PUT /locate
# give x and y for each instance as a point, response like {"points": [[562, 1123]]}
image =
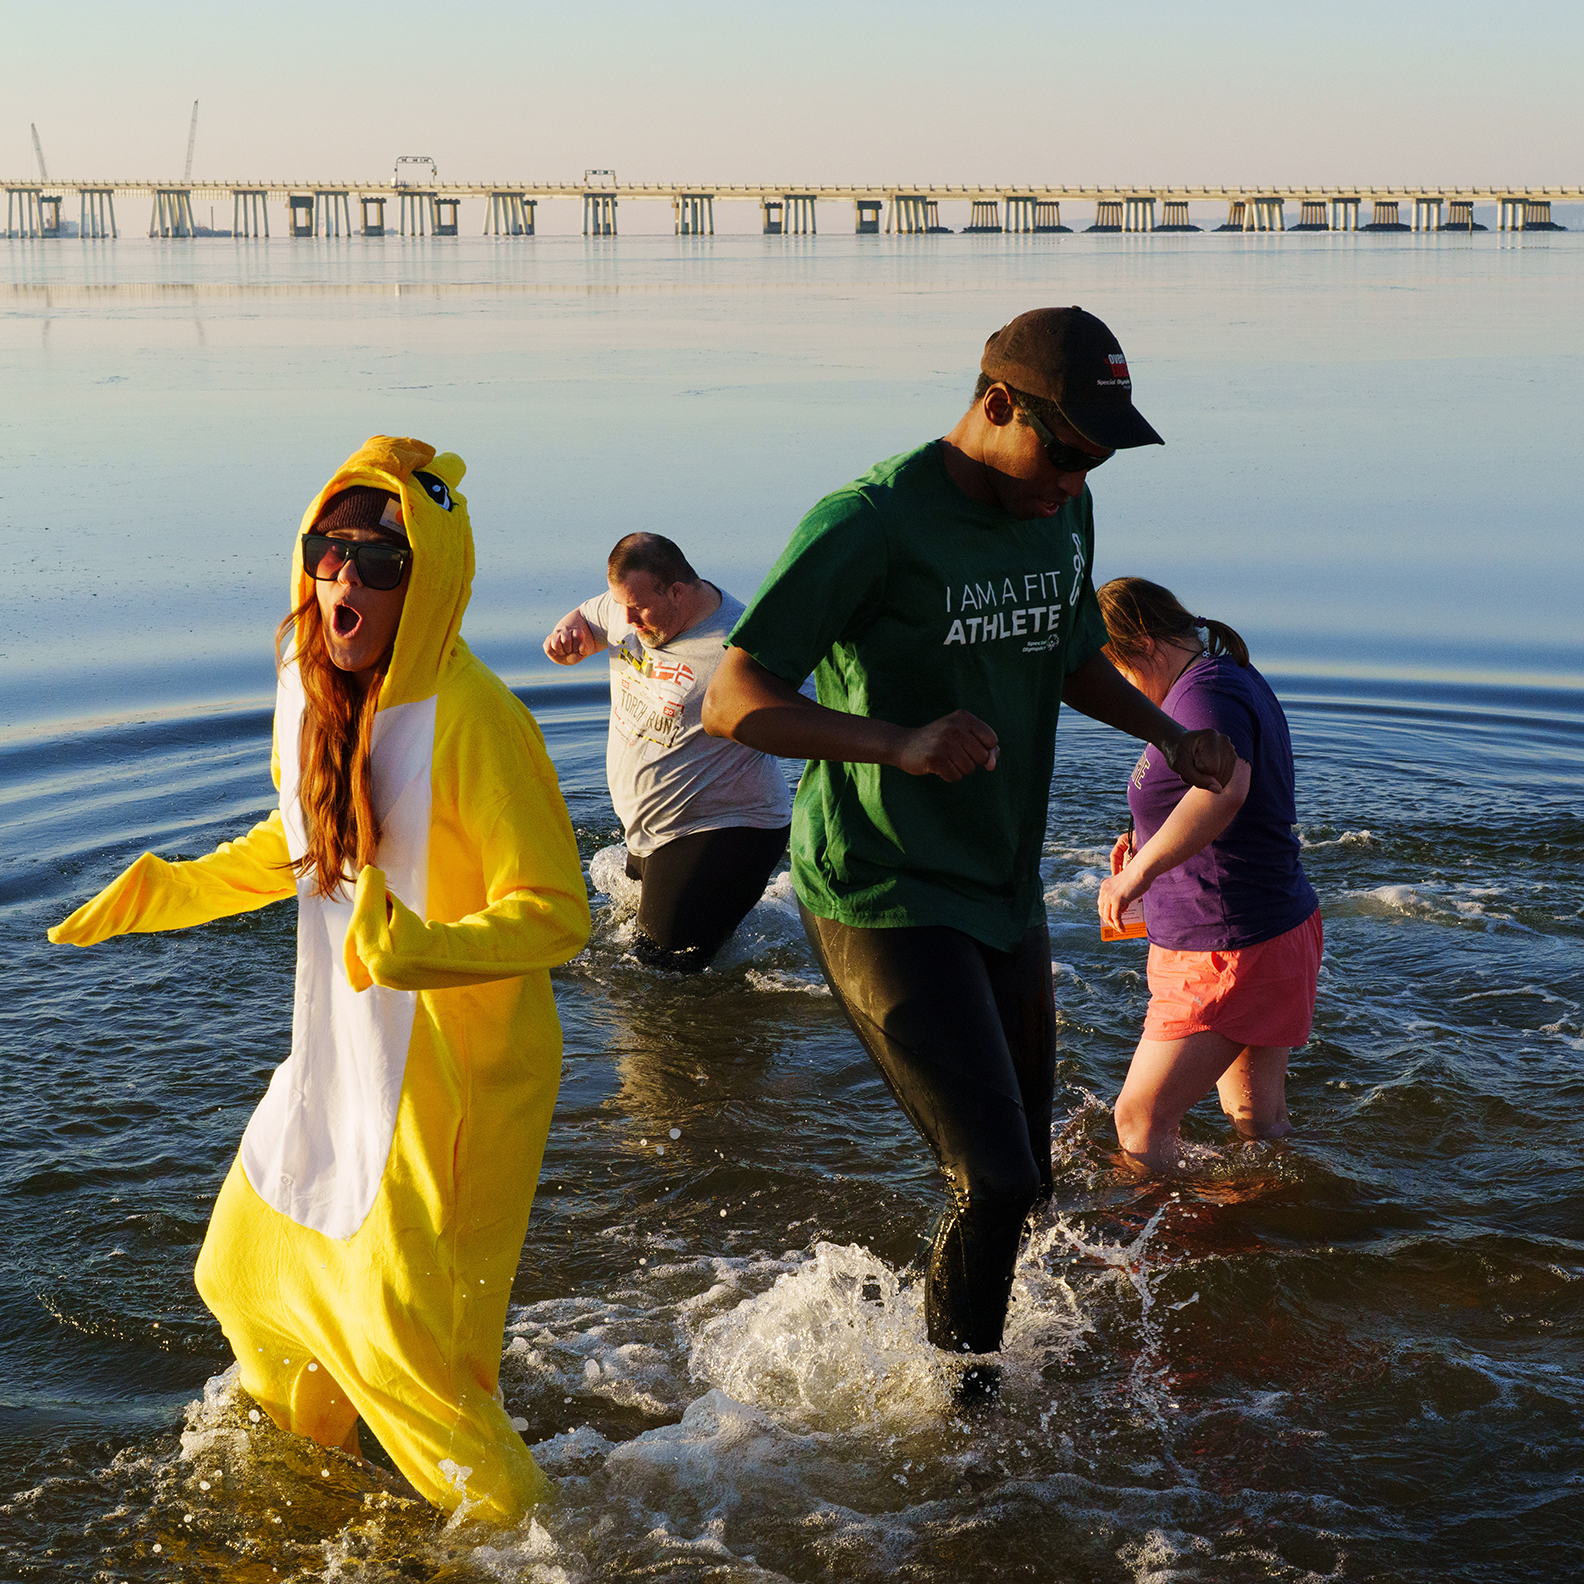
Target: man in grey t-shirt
{"points": [[706, 819]]}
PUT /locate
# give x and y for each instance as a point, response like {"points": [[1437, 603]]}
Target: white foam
{"points": [[795, 1401], [835, 1342], [1488, 906], [720, 1450], [1401, 897], [1347, 838], [1084, 857], [216, 1434], [777, 980], [770, 930], [1079, 892], [1168, 1557], [608, 873]]}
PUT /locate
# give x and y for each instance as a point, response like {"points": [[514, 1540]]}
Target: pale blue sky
{"points": [[715, 92]]}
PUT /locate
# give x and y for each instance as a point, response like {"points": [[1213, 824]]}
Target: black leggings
{"points": [[966, 1038], [697, 890]]}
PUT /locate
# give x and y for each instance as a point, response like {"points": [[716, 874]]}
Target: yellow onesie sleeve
{"points": [[152, 894], [537, 917]]}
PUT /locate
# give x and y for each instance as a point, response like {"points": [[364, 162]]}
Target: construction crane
{"points": [[192, 137], [38, 148]]}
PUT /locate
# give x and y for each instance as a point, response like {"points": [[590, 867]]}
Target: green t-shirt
{"points": [[908, 600]]}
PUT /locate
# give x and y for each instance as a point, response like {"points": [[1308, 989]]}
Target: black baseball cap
{"points": [[1071, 358]]}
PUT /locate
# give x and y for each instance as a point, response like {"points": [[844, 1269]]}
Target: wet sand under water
{"points": [[1356, 1355]]}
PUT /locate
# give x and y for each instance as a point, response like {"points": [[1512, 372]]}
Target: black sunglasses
{"points": [[1064, 458], [379, 565]]}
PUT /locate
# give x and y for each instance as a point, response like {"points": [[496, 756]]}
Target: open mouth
{"points": [[345, 620]]}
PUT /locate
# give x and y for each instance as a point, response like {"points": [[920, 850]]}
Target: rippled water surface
{"points": [[1357, 1355]]}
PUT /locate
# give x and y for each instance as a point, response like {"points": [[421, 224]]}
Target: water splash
{"points": [[1145, 1386], [836, 1342], [767, 951]]}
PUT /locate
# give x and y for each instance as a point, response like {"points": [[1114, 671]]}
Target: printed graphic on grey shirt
{"points": [[668, 777], [647, 693]]}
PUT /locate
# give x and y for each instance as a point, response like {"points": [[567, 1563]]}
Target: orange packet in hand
{"points": [[1132, 915], [1132, 924]]}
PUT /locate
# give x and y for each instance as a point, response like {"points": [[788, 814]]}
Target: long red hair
{"points": [[335, 782]]}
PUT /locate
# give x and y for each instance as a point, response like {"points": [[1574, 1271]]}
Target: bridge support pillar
{"points": [[300, 215], [1427, 214], [249, 215], [22, 211], [509, 214], [1344, 214], [866, 216], [1312, 215], [332, 210], [985, 215], [909, 214], [1385, 216], [1047, 215], [443, 215], [1019, 214], [599, 214], [49, 216], [413, 213], [371, 213], [1174, 215], [1109, 214], [97, 213], [772, 213], [172, 213], [798, 214], [1138, 214], [693, 214], [1263, 213]]}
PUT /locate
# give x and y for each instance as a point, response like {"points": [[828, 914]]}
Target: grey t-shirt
{"points": [[668, 777]]}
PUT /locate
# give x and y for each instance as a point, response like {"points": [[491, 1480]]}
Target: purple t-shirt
{"points": [[1248, 885]]}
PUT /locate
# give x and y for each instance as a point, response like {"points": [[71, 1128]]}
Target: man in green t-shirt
{"points": [[945, 605]]}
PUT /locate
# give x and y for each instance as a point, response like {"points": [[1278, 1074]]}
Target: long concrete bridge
{"points": [[430, 208]]}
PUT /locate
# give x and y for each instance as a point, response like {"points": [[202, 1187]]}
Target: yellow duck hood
{"points": [[440, 578]]}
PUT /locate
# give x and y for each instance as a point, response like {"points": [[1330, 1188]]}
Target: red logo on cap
{"points": [[1119, 372]]}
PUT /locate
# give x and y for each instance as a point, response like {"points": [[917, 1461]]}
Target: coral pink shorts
{"points": [[1261, 995]]}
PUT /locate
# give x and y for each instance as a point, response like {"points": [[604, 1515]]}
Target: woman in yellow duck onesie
{"points": [[361, 1253]]}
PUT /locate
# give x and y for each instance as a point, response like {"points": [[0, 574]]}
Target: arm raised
{"points": [[572, 640]]}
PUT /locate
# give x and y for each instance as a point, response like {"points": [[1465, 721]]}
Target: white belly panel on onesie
{"points": [[316, 1147]]}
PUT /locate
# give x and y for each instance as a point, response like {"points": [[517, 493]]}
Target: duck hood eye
{"points": [[435, 489]]}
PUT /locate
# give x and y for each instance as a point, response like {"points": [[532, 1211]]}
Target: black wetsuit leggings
{"points": [[966, 1038], [697, 890]]}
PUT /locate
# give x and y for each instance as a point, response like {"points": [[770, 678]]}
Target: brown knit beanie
{"points": [[361, 506]]}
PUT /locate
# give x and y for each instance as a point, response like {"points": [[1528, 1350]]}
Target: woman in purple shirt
{"points": [[1233, 923]]}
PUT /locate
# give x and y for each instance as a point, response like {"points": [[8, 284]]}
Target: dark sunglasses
{"points": [[379, 565], [1064, 458]]}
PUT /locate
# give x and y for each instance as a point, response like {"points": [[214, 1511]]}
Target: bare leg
{"points": [[1253, 1092], [1165, 1081]]}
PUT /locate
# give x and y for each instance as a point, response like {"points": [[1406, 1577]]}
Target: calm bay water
{"points": [[1357, 1356]]}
